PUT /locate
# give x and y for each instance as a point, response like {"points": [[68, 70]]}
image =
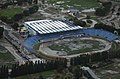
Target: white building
{"points": [[49, 26]]}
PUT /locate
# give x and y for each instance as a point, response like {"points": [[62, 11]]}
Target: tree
{"points": [[77, 72], [89, 21], [88, 17], [80, 23], [29, 1], [3, 18], [41, 77], [100, 12], [5, 5], [26, 12], [1, 31], [17, 17], [33, 9], [104, 10], [15, 26], [43, 1], [35, 1]]}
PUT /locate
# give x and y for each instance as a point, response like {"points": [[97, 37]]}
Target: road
{"points": [[13, 52], [10, 47]]}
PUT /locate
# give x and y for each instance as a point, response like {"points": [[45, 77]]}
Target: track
{"points": [[48, 52]]}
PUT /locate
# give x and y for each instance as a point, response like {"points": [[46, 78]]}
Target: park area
{"points": [[5, 57], [79, 4], [10, 11]]}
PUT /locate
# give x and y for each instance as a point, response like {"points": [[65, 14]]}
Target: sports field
{"points": [[76, 46], [71, 46]]}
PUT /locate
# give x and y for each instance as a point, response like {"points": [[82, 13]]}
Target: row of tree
{"points": [[1, 31], [104, 10], [4, 72], [30, 68], [17, 2], [94, 57], [58, 64]]}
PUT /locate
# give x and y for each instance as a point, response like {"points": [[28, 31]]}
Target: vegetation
{"points": [[104, 10], [32, 76], [30, 67], [10, 12], [36, 47], [11, 16], [5, 56], [1, 31], [66, 46], [78, 3]]}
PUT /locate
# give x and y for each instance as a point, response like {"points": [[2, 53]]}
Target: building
{"points": [[49, 26]]}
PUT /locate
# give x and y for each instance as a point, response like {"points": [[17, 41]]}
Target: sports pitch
{"points": [[72, 46]]}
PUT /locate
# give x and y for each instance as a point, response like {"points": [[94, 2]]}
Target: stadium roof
{"points": [[51, 26]]}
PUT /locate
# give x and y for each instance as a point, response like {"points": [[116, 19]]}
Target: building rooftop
{"points": [[51, 26]]}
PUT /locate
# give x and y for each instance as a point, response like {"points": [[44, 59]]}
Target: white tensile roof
{"points": [[51, 26]]}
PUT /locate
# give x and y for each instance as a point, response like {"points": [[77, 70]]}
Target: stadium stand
{"points": [[29, 42]]}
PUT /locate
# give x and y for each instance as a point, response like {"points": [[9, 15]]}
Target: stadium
{"points": [[62, 39]]}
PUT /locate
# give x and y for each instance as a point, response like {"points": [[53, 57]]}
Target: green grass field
{"points": [[33, 76], [81, 3], [81, 46], [10, 12], [5, 56], [36, 47]]}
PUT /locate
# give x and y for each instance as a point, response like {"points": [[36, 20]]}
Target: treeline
{"points": [[58, 64], [31, 68], [94, 57], [1, 31], [20, 16], [104, 9], [17, 2], [4, 72]]}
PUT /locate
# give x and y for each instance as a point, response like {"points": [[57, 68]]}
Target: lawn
{"points": [[33, 76], [79, 3], [81, 46], [5, 56], [10, 12], [36, 47]]}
